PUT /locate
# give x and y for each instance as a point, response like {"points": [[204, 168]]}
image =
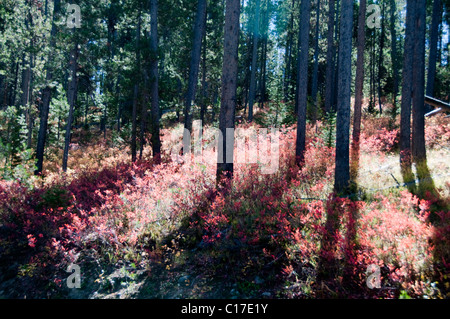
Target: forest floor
{"points": [[166, 231]]}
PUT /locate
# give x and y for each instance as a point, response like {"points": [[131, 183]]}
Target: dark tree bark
{"points": [[252, 90], [154, 82], [26, 77], [330, 57], [28, 91], [418, 133], [229, 85], [359, 86], [136, 91], [144, 113], [30, 105], [381, 59], [316, 65], [248, 62], [372, 95], [112, 20], [199, 27], [405, 113], [434, 35], [203, 94], [394, 58], [13, 95], [337, 57], [302, 81], [342, 173], [46, 94], [72, 94], [263, 59], [119, 104], [288, 53]]}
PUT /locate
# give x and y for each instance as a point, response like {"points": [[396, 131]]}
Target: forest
{"points": [[224, 149]]}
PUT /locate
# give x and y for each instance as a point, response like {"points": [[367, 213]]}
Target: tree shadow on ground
{"points": [[338, 275], [227, 268], [439, 217], [343, 269], [424, 188]]}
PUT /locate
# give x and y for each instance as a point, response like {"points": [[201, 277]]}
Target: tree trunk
{"points": [[229, 85], [248, 62], [252, 90], [12, 97], [136, 90], [342, 173], [380, 60], [144, 114], [337, 57], [199, 27], [72, 94], [302, 85], [316, 65], [359, 86], [372, 100], [418, 132], [119, 104], [263, 73], [394, 59], [154, 82], [203, 106], [46, 94], [30, 105], [434, 35], [405, 113], [25, 98], [29, 88], [288, 54], [330, 57]]}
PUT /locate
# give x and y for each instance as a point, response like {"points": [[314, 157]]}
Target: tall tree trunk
{"points": [[144, 114], [203, 95], [119, 104], [380, 59], [263, 60], [302, 85], [12, 97], [426, 183], [29, 89], [26, 77], [25, 98], [342, 173], [405, 113], [199, 27], [372, 96], [359, 86], [248, 62], [136, 90], [316, 65], [30, 105], [394, 58], [72, 93], [265, 33], [439, 59], [288, 53], [330, 57], [154, 82], [434, 35], [46, 94], [252, 91], [418, 132], [337, 57], [229, 85]]}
